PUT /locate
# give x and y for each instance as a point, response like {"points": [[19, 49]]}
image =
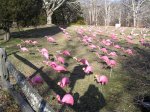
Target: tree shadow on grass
{"points": [[92, 100], [50, 82], [138, 69], [37, 33], [77, 74]]}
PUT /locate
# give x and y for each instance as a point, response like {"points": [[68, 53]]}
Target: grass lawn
{"points": [[129, 81]]}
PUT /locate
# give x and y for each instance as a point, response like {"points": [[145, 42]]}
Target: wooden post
{"points": [[34, 99], [24, 106], [32, 95], [3, 71]]}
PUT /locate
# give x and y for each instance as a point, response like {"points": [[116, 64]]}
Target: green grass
{"points": [[130, 78]]}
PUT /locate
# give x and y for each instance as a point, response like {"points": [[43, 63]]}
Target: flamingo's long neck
{"points": [[58, 98], [98, 55]]}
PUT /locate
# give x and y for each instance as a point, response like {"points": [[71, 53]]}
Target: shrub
{"points": [[80, 21]]}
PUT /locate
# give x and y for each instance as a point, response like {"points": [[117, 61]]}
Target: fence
{"points": [[31, 101]]}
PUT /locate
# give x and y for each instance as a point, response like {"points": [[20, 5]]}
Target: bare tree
{"points": [[136, 7], [116, 12], [92, 11], [107, 16], [50, 6], [108, 12], [67, 13]]}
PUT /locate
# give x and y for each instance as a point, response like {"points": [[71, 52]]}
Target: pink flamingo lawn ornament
{"points": [[113, 36], [36, 80], [111, 63], [66, 53], [50, 64], [105, 58], [27, 41], [34, 42], [64, 82], [50, 39], [112, 54], [144, 43], [130, 37], [67, 35], [142, 40], [44, 52], [60, 59], [104, 50], [83, 61], [57, 68], [46, 55], [87, 69], [85, 42], [80, 31], [109, 41], [117, 46], [89, 40], [23, 49], [92, 46], [67, 99], [106, 42], [102, 79], [128, 51]]}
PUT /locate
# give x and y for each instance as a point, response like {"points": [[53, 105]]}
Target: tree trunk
{"points": [[7, 36], [120, 13], [134, 13], [105, 22], [90, 17], [49, 18], [134, 21]]}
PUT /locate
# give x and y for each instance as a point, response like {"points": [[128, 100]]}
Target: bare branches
{"points": [[127, 12], [50, 6], [136, 8], [59, 3], [53, 4]]}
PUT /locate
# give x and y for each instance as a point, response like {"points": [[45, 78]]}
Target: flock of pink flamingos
{"points": [[86, 40]]}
